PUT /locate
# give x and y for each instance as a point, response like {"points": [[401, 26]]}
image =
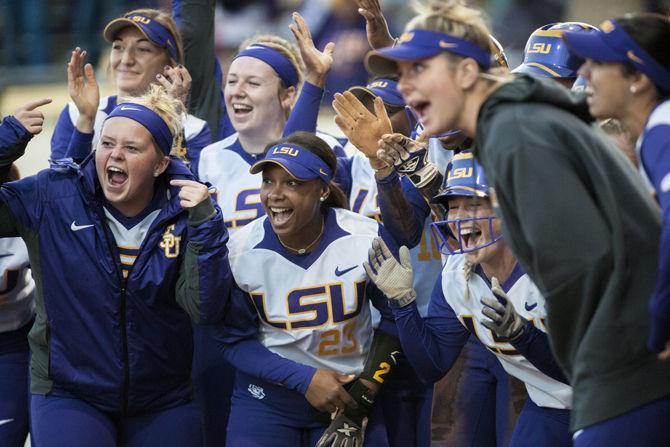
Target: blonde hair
{"points": [[167, 107], [165, 19], [287, 49], [454, 18]]}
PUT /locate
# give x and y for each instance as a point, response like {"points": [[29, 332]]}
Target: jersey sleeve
{"points": [[534, 345], [380, 302], [433, 344], [195, 145], [237, 339], [80, 146], [343, 174], [403, 209], [205, 281], [305, 113], [654, 156], [60, 139]]}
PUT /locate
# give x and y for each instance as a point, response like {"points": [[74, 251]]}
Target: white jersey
{"points": [[312, 309], [193, 126], [225, 165], [17, 303], [660, 116], [426, 258], [528, 302]]}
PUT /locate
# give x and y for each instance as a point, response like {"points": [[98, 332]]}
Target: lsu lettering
{"points": [[170, 243], [286, 150], [538, 47]]}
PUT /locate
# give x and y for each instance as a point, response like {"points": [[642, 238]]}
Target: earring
{"points": [[633, 89], [322, 199]]}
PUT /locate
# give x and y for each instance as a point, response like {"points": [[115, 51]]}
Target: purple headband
{"points": [[614, 44], [297, 161], [279, 63], [156, 126]]}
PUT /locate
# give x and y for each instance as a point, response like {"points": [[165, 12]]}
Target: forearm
{"points": [[80, 146], [206, 280], [305, 113], [251, 357], [398, 214], [13, 141], [534, 345], [430, 359]]}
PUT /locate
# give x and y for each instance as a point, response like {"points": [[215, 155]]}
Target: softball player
{"points": [[628, 74], [17, 303], [469, 299], [300, 329], [559, 185], [146, 49], [111, 364]]}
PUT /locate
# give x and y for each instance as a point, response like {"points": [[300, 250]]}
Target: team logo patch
{"points": [[256, 391], [170, 243]]}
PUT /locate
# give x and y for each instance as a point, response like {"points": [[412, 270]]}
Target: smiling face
{"points": [[253, 100], [127, 163], [429, 88], [608, 88], [292, 205], [135, 61], [477, 232]]}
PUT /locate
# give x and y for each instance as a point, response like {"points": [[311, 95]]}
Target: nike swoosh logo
{"points": [[75, 227], [5, 421], [130, 108], [5, 255], [530, 307], [339, 272], [444, 44]]}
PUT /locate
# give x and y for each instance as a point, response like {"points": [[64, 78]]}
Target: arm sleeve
{"points": [[654, 154], [79, 147], [533, 344], [60, 140], [195, 145], [236, 338], [205, 280], [433, 344], [403, 209], [343, 174], [380, 302], [305, 113], [197, 30]]}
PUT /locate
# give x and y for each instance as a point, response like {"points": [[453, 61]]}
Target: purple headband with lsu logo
{"points": [[279, 63], [152, 30], [614, 44], [297, 161], [418, 44], [151, 121]]}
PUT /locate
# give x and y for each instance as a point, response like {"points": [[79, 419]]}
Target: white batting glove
{"points": [[393, 278], [408, 157], [503, 319]]}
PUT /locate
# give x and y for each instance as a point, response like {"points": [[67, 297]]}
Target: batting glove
{"points": [[393, 278], [503, 319], [410, 158], [348, 428]]}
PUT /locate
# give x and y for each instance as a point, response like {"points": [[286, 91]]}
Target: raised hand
{"points": [[392, 277], [375, 24], [363, 128], [177, 81], [29, 117], [191, 193], [326, 392], [503, 319], [83, 89], [317, 63], [408, 157]]}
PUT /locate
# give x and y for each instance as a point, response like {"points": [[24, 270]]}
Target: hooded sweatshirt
{"points": [[581, 223]]}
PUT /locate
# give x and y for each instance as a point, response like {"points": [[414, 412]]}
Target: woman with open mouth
{"points": [[574, 213], [146, 50], [299, 329], [128, 251], [481, 291]]}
